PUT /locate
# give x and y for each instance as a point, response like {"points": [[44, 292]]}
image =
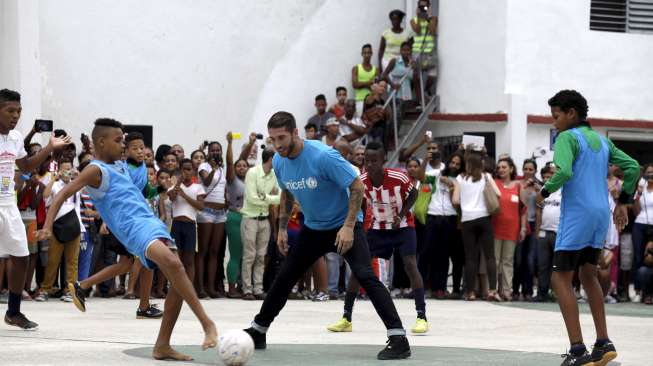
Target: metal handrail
{"points": [[414, 129]]}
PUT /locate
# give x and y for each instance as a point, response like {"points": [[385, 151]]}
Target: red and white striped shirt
{"points": [[387, 200]]}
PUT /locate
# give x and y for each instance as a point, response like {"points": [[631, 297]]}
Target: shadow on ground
{"points": [[362, 355], [620, 309]]}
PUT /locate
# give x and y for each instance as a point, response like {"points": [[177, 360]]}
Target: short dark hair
{"points": [[197, 151], [168, 153], [161, 152], [65, 161], [547, 169], [162, 171], [309, 126], [7, 95], [366, 45], [341, 88], [185, 161], [134, 136], [375, 146], [405, 43], [398, 13], [267, 154], [60, 132], [102, 125], [568, 99], [320, 97], [282, 120], [83, 154]]}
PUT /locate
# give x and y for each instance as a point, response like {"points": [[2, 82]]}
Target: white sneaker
{"points": [[637, 298], [67, 298], [395, 293], [610, 300]]}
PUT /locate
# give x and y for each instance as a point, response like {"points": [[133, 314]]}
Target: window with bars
{"points": [[631, 16]]}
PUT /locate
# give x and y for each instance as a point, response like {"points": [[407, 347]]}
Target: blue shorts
{"points": [[212, 216], [382, 243], [184, 234]]}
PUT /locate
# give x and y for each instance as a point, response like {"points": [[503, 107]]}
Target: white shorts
{"points": [[13, 239]]}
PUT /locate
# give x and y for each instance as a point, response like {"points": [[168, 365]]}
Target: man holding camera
{"points": [[424, 25]]}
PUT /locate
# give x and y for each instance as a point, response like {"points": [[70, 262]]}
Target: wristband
{"points": [[625, 198], [544, 192]]}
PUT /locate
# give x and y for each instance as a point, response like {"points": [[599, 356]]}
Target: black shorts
{"points": [[383, 242], [111, 243], [570, 260], [184, 233]]}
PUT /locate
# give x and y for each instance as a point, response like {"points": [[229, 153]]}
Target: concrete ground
{"points": [[109, 334]]}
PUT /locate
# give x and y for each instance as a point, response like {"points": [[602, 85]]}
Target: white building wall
{"points": [[195, 70], [471, 48]]}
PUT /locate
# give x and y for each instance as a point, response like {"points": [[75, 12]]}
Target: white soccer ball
{"points": [[235, 348]]}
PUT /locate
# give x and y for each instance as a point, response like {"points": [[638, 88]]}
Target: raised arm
{"points": [[27, 164], [248, 148], [381, 52], [230, 159]]}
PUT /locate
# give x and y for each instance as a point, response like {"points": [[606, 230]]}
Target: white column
{"points": [[29, 64], [520, 149]]}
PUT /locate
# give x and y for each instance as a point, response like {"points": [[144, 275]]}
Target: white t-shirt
{"points": [[440, 204], [181, 207], [551, 212], [216, 190], [429, 170], [346, 130], [646, 203], [72, 203], [11, 149], [472, 201]]}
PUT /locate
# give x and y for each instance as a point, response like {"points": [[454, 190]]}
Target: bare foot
{"points": [[210, 337], [167, 353]]}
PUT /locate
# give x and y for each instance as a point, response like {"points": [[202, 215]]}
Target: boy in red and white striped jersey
{"points": [[390, 194]]}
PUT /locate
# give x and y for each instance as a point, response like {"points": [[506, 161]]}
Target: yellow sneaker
{"points": [[342, 325], [421, 326]]}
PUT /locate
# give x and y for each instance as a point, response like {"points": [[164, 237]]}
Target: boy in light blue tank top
{"points": [[582, 157], [126, 213]]}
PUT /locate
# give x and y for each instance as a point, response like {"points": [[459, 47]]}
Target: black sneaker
{"points": [[152, 312], [603, 354], [19, 320], [257, 337], [397, 348], [573, 360], [79, 296]]}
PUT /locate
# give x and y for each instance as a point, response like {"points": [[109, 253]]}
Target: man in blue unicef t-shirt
{"points": [[330, 195]]}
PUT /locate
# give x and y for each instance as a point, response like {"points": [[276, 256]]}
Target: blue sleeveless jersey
{"points": [[124, 210], [584, 211]]}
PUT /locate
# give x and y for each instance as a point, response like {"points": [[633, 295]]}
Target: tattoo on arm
{"points": [[286, 202], [355, 201]]}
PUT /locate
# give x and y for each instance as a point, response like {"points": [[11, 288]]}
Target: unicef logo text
{"points": [[304, 183]]}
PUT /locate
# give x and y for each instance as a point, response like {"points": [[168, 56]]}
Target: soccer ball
{"points": [[235, 348]]}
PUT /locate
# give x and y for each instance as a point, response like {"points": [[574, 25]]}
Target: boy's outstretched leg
{"points": [[171, 266], [603, 350], [76, 289], [162, 349]]}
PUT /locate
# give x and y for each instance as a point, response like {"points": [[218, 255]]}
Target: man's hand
{"points": [[522, 234], [104, 230], [282, 242], [230, 137], [43, 234], [275, 191], [252, 138], [620, 217], [58, 142], [344, 239]]}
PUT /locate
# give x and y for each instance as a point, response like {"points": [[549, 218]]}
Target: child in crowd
{"points": [[187, 200]]}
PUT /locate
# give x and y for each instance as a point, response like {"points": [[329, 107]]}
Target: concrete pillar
{"points": [[517, 129]]}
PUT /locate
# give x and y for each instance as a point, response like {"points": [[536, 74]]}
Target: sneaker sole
{"points": [[148, 317], [400, 356], [347, 330], [27, 330], [78, 304], [606, 358]]}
